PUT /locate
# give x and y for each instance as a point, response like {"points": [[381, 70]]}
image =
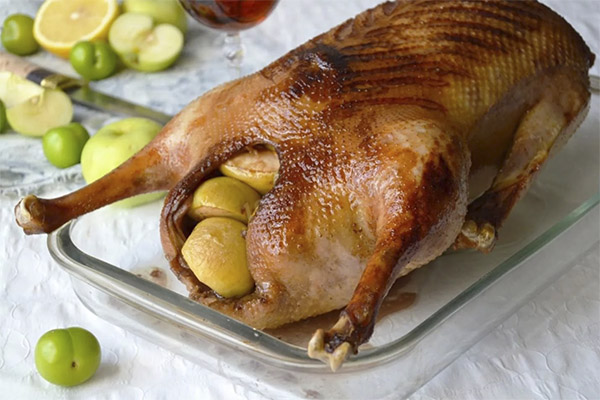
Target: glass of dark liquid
{"points": [[231, 17]]}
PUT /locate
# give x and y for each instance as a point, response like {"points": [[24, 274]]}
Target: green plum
{"points": [[67, 357], [63, 145], [93, 60], [3, 122], [17, 35]]}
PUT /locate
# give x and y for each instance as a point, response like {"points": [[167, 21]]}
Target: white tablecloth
{"points": [[548, 349]]}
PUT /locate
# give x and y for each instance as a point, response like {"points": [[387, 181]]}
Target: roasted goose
{"points": [[409, 129]]}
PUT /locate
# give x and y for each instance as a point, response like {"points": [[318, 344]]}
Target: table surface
{"points": [[549, 349]]}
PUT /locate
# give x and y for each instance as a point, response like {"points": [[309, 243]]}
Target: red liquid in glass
{"points": [[229, 15]]}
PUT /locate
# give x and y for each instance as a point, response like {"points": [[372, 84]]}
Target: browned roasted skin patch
{"points": [[386, 126]]}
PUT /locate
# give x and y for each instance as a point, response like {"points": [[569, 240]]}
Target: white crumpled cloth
{"points": [[550, 349]]}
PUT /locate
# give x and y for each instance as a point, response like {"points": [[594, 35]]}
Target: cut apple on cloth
{"points": [[142, 45], [31, 109], [163, 11]]}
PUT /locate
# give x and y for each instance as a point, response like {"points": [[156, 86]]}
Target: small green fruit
{"points": [[93, 60], [17, 35], [3, 121], [67, 357], [63, 145]]}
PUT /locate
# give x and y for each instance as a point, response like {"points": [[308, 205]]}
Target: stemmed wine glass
{"points": [[230, 16]]}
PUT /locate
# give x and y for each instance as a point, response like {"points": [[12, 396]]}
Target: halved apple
{"points": [[143, 46], [224, 197], [216, 253], [258, 167], [15, 90], [163, 11], [30, 109]]}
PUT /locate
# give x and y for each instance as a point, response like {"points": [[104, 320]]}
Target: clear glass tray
{"points": [[432, 317]]}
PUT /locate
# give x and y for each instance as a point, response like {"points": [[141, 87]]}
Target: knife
{"points": [[77, 89]]}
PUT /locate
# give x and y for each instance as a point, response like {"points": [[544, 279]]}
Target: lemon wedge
{"points": [[59, 24]]}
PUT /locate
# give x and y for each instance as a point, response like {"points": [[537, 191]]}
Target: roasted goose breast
{"points": [[409, 129]]}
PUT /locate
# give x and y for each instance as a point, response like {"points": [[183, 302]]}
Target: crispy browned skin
{"points": [[386, 126]]}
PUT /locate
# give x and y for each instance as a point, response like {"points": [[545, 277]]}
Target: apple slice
{"points": [[30, 109], [41, 113], [15, 90], [143, 46]]}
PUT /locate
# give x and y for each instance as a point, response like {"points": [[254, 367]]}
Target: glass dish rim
{"points": [[167, 304]]}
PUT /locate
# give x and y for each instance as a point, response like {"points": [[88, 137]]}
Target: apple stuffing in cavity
{"points": [[142, 45], [215, 250], [258, 168], [224, 197]]}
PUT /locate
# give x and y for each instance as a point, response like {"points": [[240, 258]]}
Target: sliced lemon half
{"points": [[59, 24]]}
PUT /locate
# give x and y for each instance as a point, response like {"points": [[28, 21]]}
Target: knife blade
{"points": [[92, 99], [77, 89]]}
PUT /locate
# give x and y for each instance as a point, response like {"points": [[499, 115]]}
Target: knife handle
{"points": [[46, 78]]}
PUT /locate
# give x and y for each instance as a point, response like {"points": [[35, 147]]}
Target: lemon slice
{"points": [[59, 24]]}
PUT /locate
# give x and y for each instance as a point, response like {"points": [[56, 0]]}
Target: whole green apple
{"points": [[163, 11], [67, 357], [114, 144]]}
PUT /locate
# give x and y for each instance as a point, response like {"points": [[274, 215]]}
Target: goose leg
{"points": [[541, 132], [356, 322], [421, 217], [190, 136], [143, 173]]}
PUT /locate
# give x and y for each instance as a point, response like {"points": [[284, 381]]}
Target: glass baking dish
{"points": [[428, 320]]}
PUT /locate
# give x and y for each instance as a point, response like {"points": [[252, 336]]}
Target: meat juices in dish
{"points": [[409, 129]]}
